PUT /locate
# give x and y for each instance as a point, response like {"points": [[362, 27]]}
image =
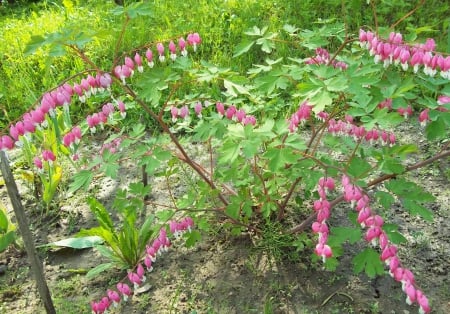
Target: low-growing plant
{"points": [[283, 143], [7, 229]]}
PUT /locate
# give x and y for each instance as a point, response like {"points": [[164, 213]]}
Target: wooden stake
{"points": [[36, 265]]}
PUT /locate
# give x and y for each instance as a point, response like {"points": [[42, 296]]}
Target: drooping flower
{"points": [[198, 109], [149, 56], [138, 60], [173, 50], [124, 289], [160, 48]]}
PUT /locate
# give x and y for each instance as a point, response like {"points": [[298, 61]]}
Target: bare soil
{"points": [[228, 274]]}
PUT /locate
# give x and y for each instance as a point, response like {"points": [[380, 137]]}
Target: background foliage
{"points": [[223, 23]]}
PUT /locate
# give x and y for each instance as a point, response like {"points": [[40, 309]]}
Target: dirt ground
{"points": [[225, 274]]}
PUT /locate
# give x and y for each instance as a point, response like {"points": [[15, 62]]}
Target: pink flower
{"points": [[249, 120], [443, 99], [149, 56], [182, 45], [198, 109], [405, 112], [173, 50], [220, 109], [138, 60], [174, 113], [47, 155], [194, 40], [324, 251], [122, 108], [184, 112], [230, 112], [6, 142], [105, 80], [410, 291], [424, 117], [148, 263], [124, 289], [113, 296], [160, 48], [240, 115], [140, 272], [129, 63], [423, 302], [38, 162]]}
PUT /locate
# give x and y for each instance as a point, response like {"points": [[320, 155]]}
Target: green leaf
{"points": [[229, 152], [6, 239], [415, 208], [3, 221], [386, 199], [336, 84], [82, 179], [369, 261], [164, 215], [146, 232], [243, 47], [392, 166], [101, 214], [339, 235], [233, 208], [321, 100], [393, 234], [436, 130], [99, 269], [256, 31], [279, 157], [34, 44], [235, 89], [77, 243], [359, 167], [408, 190], [192, 238]]}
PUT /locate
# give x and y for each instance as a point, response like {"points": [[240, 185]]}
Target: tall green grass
{"points": [[221, 24]]}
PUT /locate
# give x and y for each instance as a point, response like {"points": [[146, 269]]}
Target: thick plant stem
{"points": [[307, 222], [36, 265]]}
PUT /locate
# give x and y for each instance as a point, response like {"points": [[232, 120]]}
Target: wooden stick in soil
{"points": [[36, 265]]}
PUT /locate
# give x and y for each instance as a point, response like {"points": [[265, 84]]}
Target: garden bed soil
{"points": [[230, 274]]}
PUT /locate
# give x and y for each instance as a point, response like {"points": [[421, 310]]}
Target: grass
{"points": [[221, 24]]}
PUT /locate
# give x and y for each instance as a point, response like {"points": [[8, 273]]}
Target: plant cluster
{"points": [[274, 139]]}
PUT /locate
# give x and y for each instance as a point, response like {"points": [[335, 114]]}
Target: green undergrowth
{"points": [[220, 23]]}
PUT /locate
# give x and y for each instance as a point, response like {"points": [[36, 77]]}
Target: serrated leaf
{"points": [[359, 167], [386, 199], [229, 152], [415, 208], [291, 29], [235, 89], [392, 166], [243, 47], [393, 234], [164, 215], [192, 238], [336, 84], [321, 100], [34, 44], [339, 235], [369, 262], [435, 129], [82, 180], [279, 157]]}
